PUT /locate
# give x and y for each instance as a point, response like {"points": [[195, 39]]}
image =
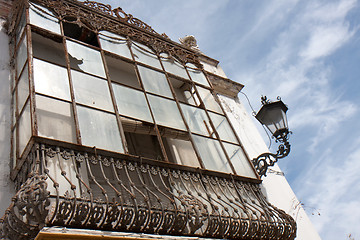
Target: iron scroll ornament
{"points": [[266, 160]]}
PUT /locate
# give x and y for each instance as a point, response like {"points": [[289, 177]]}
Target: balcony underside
{"points": [[87, 189]]}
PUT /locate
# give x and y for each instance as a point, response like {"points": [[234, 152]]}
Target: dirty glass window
{"points": [[131, 103], [197, 75], [21, 56], [51, 79], [196, 119], [223, 127], [99, 129], [239, 160], [172, 66], [85, 59], [24, 128], [155, 82], [55, 119], [145, 55], [212, 154], [91, 91], [182, 152], [23, 89], [20, 27], [114, 43], [166, 112], [209, 100], [43, 18]]}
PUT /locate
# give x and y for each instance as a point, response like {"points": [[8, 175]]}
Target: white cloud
{"points": [[325, 40]]}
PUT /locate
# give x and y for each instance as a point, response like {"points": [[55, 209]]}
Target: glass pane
{"points": [[51, 79], [85, 59], [13, 108], [172, 66], [122, 72], [182, 152], [55, 119], [114, 43], [223, 127], [23, 88], [21, 56], [196, 119], [20, 27], [24, 128], [155, 82], [209, 100], [132, 103], [166, 112], [239, 161], [47, 49], [197, 76], [212, 154], [145, 55], [43, 18], [14, 157], [91, 91], [99, 129]]}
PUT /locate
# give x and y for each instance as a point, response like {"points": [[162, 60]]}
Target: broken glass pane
{"points": [[85, 59]]}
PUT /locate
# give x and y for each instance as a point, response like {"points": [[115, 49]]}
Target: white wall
{"points": [[7, 190], [275, 187]]}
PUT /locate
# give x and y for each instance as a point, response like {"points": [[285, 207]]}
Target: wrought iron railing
{"points": [[93, 189]]}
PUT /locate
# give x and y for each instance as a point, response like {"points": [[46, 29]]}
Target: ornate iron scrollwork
{"points": [[266, 160], [94, 191]]}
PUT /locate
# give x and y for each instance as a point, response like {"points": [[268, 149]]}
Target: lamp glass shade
{"points": [[273, 116]]}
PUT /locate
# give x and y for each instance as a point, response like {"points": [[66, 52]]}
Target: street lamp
{"points": [[273, 116]]}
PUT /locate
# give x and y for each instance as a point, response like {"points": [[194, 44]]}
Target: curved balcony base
{"points": [[119, 193]]}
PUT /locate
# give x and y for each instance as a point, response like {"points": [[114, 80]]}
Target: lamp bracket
{"points": [[265, 160]]}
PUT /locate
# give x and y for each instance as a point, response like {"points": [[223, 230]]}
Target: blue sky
{"points": [[307, 52]]}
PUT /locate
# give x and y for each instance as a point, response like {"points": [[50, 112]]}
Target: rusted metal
{"points": [[125, 194]]}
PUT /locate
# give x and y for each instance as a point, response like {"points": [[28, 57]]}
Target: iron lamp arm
{"points": [[266, 160]]}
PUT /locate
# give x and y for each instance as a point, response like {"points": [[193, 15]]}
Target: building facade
{"points": [[116, 131]]}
